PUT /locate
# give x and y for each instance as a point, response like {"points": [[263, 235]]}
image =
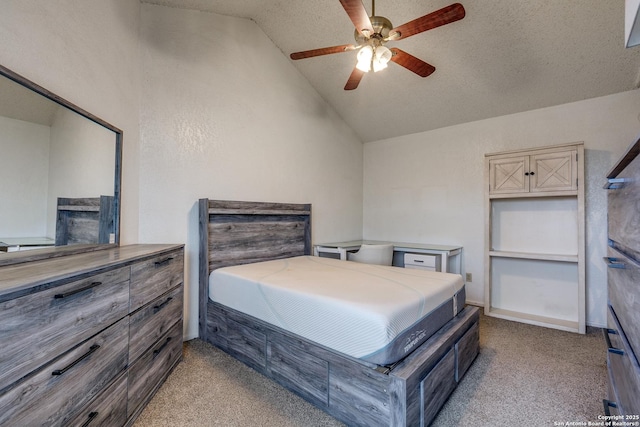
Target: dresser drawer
{"points": [[152, 321], [623, 281], [624, 372], [152, 368], [40, 326], [154, 277], [624, 205], [56, 393], [108, 409]]}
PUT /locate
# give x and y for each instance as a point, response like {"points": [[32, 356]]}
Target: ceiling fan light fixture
{"points": [[365, 55], [381, 58]]}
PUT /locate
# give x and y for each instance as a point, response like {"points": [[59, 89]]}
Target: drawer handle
{"points": [[92, 349], [157, 351], [163, 262], [77, 291], [157, 308], [418, 260], [608, 404], [614, 184], [614, 263], [610, 347], [92, 416]]}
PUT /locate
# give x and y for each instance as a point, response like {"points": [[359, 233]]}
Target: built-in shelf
{"points": [[534, 256], [534, 236], [533, 319]]}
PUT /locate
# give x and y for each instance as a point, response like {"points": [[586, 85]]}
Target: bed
{"points": [[254, 261]]}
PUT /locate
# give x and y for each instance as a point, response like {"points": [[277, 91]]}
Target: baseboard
{"points": [[476, 303]]}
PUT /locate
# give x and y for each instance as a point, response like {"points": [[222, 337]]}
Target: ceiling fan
{"points": [[372, 33]]}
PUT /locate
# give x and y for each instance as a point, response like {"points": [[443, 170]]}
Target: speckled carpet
{"points": [[524, 376]]}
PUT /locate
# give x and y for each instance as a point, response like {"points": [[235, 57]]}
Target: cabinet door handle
{"points": [[614, 183], [92, 416], [157, 308], [610, 347], [532, 173], [77, 291], [157, 351], [163, 262], [608, 404], [613, 262], [526, 174], [92, 349]]}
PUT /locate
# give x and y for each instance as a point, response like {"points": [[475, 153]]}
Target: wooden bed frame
{"points": [[408, 393]]}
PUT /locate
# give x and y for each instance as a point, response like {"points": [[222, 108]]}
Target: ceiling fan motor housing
{"points": [[381, 28]]}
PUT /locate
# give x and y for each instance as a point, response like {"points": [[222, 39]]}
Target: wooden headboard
{"points": [[233, 233], [85, 220]]}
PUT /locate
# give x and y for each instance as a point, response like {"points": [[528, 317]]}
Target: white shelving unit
{"points": [[534, 233]]}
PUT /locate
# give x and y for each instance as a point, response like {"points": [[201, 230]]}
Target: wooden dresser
{"points": [[87, 339], [623, 277]]}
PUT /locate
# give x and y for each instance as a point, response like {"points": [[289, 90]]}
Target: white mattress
{"points": [[354, 308]]}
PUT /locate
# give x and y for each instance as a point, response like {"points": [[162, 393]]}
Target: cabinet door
{"points": [[508, 175], [554, 171]]}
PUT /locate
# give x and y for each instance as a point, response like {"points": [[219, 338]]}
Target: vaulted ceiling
{"points": [[504, 57]]}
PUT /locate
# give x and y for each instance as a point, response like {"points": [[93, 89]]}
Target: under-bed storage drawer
{"points": [[152, 321], [438, 385], [107, 409], [55, 393], [43, 325], [623, 368], [154, 277], [290, 361], [153, 367], [467, 350]]}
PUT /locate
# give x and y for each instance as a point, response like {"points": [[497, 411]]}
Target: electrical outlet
{"points": [[469, 277]]}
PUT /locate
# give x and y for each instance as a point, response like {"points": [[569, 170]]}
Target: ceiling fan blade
{"points": [[444, 16], [354, 79], [411, 63], [322, 51], [358, 15]]}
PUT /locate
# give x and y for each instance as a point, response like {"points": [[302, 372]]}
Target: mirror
{"points": [[60, 174]]}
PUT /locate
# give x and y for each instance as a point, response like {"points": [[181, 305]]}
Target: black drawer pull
{"points": [[92, 349], [614, 263], [418, 260], [163, 262], [157, 351], [608, 404], [610, 347], [92, 416], [157, 308], [614, 183], [77, 291]]}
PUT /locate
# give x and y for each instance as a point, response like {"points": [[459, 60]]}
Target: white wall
{"points": [[85, 51], [225, 115], [428, 187], [81, 162], [23, 203]]}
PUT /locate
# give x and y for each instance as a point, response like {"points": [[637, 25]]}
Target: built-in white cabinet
{"points": [[534, 234]]}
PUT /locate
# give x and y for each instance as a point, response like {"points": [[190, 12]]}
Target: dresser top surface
{"points": [[19, 279]]}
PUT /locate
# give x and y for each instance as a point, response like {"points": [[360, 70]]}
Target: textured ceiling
{"points": [[505, 56]]}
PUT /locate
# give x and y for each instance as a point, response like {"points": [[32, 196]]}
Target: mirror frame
{"points": [[39, 254]]}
